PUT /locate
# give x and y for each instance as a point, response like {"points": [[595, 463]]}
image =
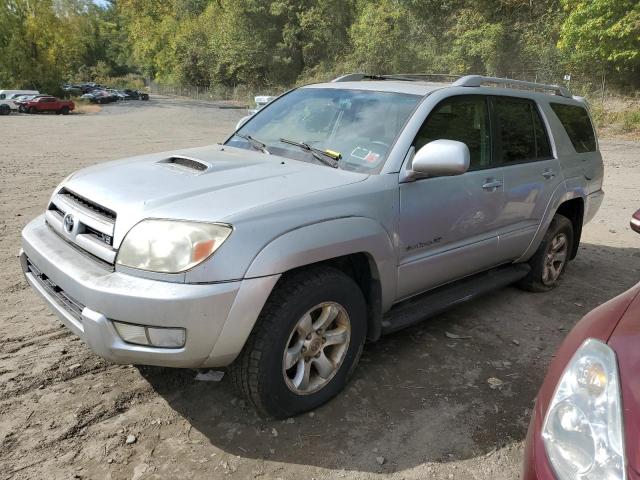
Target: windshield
{"points": [[360, 126]]}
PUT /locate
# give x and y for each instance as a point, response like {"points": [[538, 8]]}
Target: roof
{"points": [[419, 84], [412, 87]]}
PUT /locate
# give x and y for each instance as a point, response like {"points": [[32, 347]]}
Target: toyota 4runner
{"points": [[339, 212]]}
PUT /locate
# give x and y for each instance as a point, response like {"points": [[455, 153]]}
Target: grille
{"points": [[66, 301], [83, 223], [94, 207]]}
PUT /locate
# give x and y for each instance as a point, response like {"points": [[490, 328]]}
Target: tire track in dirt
{"points": [[54, 374], [22, 342]]}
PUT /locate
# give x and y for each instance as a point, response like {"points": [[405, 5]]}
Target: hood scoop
{"points": [[185, 164]]}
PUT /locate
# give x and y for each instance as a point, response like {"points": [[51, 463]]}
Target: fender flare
{"points": [[327, 240], [570, 189]]}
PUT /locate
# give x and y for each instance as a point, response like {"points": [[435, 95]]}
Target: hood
{"points": [[203, 184]]}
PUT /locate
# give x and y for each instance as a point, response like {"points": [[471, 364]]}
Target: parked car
{"points": [[73, 89], [337, 213], [261, 101], [100, 96], [49, 104], [117, 94], [635, 222], [7, 97], [136, 94], [21, 100], [586, 421]]}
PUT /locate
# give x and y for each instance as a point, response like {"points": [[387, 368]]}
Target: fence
{"points": [[241, 93], [595, 87]]}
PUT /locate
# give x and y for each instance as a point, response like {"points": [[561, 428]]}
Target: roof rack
{"points": [[408, 77], [479, 80]]}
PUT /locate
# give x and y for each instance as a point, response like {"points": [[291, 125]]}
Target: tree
{"points": [[605, 33]]}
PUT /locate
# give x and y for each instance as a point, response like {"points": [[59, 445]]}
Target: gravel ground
{"points": [[418, 407]]}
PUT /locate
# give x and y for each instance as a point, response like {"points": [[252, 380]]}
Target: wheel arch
{"points": [[573, 209], [357, 246], [568, 200]]}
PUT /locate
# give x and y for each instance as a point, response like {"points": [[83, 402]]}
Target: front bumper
{"points": [[87, 295]]}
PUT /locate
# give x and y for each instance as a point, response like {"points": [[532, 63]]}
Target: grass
{"points": [[617, 116]]}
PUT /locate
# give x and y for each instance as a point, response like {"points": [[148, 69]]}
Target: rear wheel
{"points": [[64, 110], [550, 260], [306, 343], [5, 109]]}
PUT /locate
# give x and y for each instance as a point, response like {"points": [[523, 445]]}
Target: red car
{"points": [[586, 422], [49, 104]]}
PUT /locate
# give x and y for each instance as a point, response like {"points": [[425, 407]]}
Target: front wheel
{"points": [[307, 341], [64, 110], [33, 110], [550, 260]]}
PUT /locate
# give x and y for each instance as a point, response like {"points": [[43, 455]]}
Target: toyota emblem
{"points": [[68, 223]]}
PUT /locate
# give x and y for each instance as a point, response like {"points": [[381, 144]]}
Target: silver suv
{"points": [[339, 212]]}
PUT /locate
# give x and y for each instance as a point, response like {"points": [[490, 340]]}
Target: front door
{"points": [[448, 225]]}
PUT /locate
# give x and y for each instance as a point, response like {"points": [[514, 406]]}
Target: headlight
{"points": [[582, 432], [170, 246]]}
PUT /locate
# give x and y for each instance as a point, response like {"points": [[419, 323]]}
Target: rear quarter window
{"points": [[577, 124]]}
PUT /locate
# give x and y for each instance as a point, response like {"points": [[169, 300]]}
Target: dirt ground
{"points": [[419, 406]]}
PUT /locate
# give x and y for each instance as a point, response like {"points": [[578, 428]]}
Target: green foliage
{"points": [[603, 33], [269, 44]]}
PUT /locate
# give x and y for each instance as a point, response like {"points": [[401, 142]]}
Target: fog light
{"points": [[166, 337], [131, 333], [151, 336]]}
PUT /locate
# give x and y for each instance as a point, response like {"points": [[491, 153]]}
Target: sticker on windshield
{"points": [[365, 154]]}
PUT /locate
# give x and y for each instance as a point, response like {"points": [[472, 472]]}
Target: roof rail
{"points": [[351, 77], [408, 77], [479, 80]]}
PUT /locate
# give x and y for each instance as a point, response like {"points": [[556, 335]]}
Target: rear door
{"points": [[531, 172]]}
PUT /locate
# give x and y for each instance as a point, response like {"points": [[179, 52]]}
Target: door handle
{"points": [[548, 174], [492, 185]]}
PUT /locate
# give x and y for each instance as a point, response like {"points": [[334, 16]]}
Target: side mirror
{"points": [[635, 222], [242, 121], [441, 158]]}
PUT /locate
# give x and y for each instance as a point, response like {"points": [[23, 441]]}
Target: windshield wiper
{"points": [[254, 142], [328, 157]]}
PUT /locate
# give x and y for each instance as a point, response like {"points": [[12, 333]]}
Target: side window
{"points": [[521, 133], [577, 124], [2, 96], [465, 119]]}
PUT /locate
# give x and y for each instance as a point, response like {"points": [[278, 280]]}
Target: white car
{"points": [[8, 97]]}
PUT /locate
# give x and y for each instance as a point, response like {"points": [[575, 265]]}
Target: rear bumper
{"points": [[87, 295]]}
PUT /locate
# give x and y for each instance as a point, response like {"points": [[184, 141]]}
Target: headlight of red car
{"points": [[582, 431]]}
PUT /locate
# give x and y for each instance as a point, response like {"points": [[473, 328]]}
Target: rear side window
{"points": [[577, 124], [521, 134]]}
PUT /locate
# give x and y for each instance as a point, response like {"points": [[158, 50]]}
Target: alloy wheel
{"points": [[316, 348], [555, 259]]}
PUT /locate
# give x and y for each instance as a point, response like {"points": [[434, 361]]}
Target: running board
{"points": [[423, 306]]}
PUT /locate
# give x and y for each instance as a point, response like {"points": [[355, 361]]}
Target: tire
{"points": [[5, 109], [546, 271], [260, 373], [33, 110], [64, 110]]}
